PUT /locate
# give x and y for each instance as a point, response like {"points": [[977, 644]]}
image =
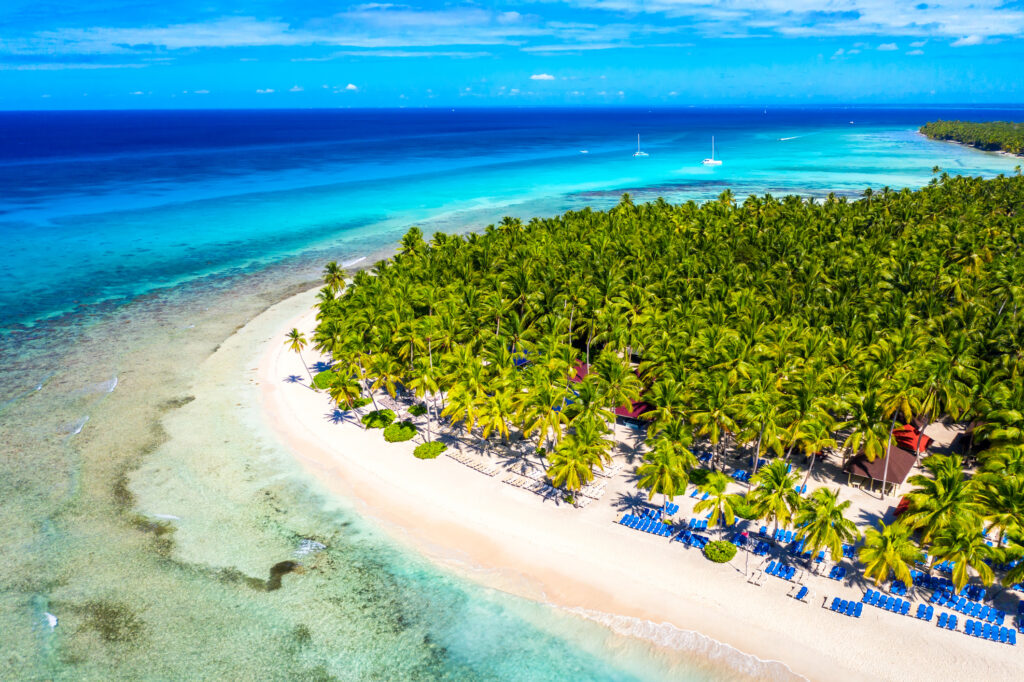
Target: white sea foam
{"points": [[353, 262], [167, 517], [670, 637], [75, 427], [51, 620]]}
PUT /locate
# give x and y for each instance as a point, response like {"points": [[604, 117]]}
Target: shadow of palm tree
{"points": [[294, 379], [321, 366], [630, 499]]}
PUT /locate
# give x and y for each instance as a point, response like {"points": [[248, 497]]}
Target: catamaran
{"points": [[712, 161], [638, 152]]}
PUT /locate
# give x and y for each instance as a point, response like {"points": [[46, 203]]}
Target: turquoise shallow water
{"points": [[135, 243]]}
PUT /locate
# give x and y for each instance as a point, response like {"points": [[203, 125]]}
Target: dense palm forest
{"points": [[992, 136], [776, 328]]}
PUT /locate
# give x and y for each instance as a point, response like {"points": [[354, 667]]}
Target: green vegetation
{"points": [[429, 450], [719, 551], [323, 380], [1004, 136], [418, 410], [296, 342], [400, 431], [378, 419], [781, 328]]}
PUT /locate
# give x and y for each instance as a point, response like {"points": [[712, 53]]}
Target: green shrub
{"points": [[379, 419], [396, 433], [418, 410], [699, 476], [719, 551], [429, 450], [323, 380], [744, 509], [361, 401]]}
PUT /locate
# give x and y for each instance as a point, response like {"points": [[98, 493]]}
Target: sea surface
{"points": [[135, 243]]}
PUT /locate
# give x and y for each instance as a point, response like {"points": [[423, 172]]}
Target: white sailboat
{"points": [[638, 152], [712, 161]]}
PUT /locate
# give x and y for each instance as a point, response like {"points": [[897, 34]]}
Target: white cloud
{"points": [[969, 40], [888, 47], [916, 52], [295, 88], [919, 43], [137, 92], [265, 91], [200, 92], [542, 77], [838, 53], [351, 87]]}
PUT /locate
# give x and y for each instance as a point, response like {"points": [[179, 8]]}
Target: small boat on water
{"points": [[638, 152], [712, 161]]}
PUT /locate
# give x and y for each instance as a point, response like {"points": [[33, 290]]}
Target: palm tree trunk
{"points": [[757, 457], [307, 370], [885, 469], [809, 467]]}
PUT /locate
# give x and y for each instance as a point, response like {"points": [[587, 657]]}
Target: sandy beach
{"points": [[581, 560]]}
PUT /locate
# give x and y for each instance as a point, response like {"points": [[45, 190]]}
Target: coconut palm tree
{"points": [[889, 550], [943, 499], [962, 544], [721, 503], [619, 385], [334, 277], [296, 341], [821, 523], [662, 471], [423, 383], [774, 498]]}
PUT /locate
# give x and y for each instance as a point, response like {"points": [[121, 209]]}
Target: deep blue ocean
{"points": [[134, 243]]}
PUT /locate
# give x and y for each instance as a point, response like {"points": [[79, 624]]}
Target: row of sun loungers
{"points": [[647, 525], [891, 604], [762, 548], [925, 612], [780, 570], [847, 608], [472, 462], [742, 476], [593, 490], [947, 621], [990, 632], [671, 509], [848, 551], [931, 582], [898, 588], [697, 524], [969, 608], [691, 539], [696, 493]]}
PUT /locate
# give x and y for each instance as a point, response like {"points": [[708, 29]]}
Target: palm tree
{"points": [[424, 384], [962, 544], [721, 503], [344, 390], [662, 471], [889, 550], [868, 426], [1002, 502], [775, 497], [821, 523], [620, 386], [943, 499], [572, 463], [334, 277], [902, 398], [296, 341]]}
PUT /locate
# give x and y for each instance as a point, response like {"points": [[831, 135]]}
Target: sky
{"points": [[270, 53]]}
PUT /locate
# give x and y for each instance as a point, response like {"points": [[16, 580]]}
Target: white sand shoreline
{"points": [[579, 560]]}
